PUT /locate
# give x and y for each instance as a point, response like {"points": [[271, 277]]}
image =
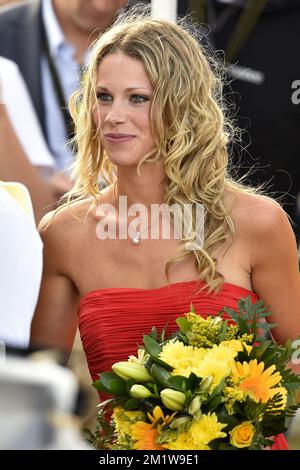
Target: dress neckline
{"points": [[225, 285]]}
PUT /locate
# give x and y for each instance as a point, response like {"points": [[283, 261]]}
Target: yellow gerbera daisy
{"points": [[145, 436], [256, 382]]}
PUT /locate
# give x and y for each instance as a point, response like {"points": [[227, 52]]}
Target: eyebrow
{"points": [[126, 89]]}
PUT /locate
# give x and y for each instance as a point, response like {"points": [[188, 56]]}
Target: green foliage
{"points": [[154, 349], [110, 383], [104, 433], [250, 317]]}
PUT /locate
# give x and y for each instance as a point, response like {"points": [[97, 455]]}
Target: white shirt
{"points": [[22, 115], [20, 264], [68, 70]]}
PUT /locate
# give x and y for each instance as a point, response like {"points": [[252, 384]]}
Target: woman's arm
{"points": [[55, 320], [275, 272]]}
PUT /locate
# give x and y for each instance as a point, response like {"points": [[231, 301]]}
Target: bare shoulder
{"points": [[259, 215], [64, 232], [64, 220], [265, 232]]}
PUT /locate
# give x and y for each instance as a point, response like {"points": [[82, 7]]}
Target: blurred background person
{"points": [[260, 39], [6, 2], [24, 155], [20, 244], [49, 40], [21, 264]]}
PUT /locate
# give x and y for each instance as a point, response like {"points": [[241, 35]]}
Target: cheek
{"points": [[96, 115], [144, 121]]}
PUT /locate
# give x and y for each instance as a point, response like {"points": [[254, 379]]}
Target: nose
{"points": [[116, 114]]}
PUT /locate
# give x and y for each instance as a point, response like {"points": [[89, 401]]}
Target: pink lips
{"points": [[119, 138]]}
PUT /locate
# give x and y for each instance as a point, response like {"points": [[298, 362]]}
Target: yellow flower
{"points": [[237, 345], [183, 358], [214, 368], [223, 353], [242, 435], [232, 395], [217, 363], [158, 415], [199, 435], [256, 382], [124, 421], [145, 436]]}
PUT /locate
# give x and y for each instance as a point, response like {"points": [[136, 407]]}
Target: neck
{"points": [[146, 189]]}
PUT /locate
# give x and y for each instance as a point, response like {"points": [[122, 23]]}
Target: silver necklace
{"points": [[136, 238]]}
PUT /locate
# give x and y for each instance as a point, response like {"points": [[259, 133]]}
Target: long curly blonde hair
{"points": [[188, 123]]}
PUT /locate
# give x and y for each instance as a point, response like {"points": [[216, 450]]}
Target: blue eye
{"points": [[139, 98], [103, 96]]}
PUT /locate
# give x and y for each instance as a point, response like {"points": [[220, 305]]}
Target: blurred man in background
{"points": [[49, 40]]}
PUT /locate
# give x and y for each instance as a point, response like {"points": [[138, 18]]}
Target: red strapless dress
{"points": [[112, 321]]}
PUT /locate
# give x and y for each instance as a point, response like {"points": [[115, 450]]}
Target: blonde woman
{"points": [[149, 121]]}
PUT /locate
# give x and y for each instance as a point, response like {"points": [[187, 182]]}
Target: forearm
{"points": [[15, 166]]}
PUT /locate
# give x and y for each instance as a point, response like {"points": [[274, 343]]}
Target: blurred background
{"points": [[43, 51]]}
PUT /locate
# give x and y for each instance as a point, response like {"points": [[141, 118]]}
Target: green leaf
{"points": [[154, 334], [258, 352], [112, 383], [219, 388], [100, 387], [213, 403], [161, 363], [254, 327], [192, 381], [223, 331], [232, 313], [183, 324], [149, 404], [269, 357], [129, 383], [243, 326], [132, 404], [118, 387], [224, 417], [156, 360], [160, 375], [152, 346], [178, 382]]}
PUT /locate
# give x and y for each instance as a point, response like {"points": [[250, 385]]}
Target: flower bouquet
{"points": [[214, 384]]}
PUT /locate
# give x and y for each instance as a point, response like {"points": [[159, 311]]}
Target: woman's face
{"points": [[124, 92]]}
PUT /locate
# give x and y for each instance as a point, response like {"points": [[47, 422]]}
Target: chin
{"points": [[123, 161]]}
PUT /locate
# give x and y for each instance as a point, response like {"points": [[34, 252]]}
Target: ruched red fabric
{"points": [[112, 321]]}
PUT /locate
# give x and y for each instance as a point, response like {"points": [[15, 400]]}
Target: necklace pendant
{"points": [[136, 239]]}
